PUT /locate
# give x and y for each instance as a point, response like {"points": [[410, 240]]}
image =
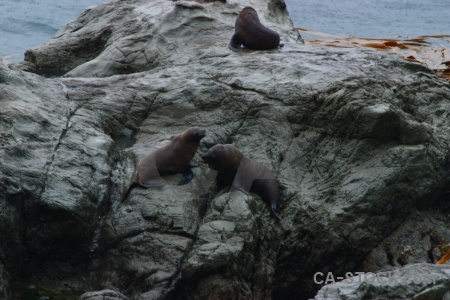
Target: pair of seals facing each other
{"points": [[174, 157], [250, 33], [242, 173]]}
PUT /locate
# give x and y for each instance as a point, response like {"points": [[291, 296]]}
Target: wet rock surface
{"points": [[103, 295], [5, 291], [416, 281], [358, 141]]}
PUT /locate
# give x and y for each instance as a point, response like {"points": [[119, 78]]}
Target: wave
{"points": [[24, 27]]}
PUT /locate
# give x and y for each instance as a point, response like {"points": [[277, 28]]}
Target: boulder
{"points": [[416, 281], [139, 36], [103, 295]]}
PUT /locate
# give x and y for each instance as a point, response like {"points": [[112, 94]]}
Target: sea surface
{"points": [[25, 24], [372, 18], [28, 23]]}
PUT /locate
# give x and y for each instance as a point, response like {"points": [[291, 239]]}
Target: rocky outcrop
{"points": [[103, 295], [417, 282], [138, 36], [358, 140]]}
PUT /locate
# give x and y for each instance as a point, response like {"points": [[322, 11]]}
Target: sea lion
{"points": [[249, 32], [175, 157], [242, 173]]}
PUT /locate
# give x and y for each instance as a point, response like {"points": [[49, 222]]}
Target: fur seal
{"points": [[242, 173], [174, 157], [249, 32]]}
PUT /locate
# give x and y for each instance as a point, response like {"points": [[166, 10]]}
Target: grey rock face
{"points": [[5, 292], [358, 140], [412, 242], [42, 140], [136, 36], [103, 295]]}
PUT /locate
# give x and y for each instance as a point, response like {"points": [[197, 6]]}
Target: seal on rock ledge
{"points": [[174, 157], [242, 173], [250, 33]]}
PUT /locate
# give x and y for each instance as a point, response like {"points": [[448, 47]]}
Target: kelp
{"points": [[432, 51], [446, 255]]}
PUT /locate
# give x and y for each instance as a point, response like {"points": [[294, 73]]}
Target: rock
{"points": [[358, 140], [417, 281], [5, 292], [134, 36], [61, 166], [103, 295], [412, 242]]}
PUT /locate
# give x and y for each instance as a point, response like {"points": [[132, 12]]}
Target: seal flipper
{"points": [[186, 177], [193, 165], [125, 196], [235, 42], [274, 211]]}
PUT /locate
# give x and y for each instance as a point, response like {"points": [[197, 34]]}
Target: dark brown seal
{"points": [[249, 32], [242, 173], [174, 157]]}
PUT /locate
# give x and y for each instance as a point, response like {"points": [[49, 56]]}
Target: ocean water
{"points": [[28, 23], [372, 18]]}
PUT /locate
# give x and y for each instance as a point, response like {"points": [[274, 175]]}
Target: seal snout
{"points": [[202, 133], [209, 157], [195, 134], [205, 157]]}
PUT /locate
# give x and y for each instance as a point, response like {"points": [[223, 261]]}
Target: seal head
{"points": [[222, 157]]}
